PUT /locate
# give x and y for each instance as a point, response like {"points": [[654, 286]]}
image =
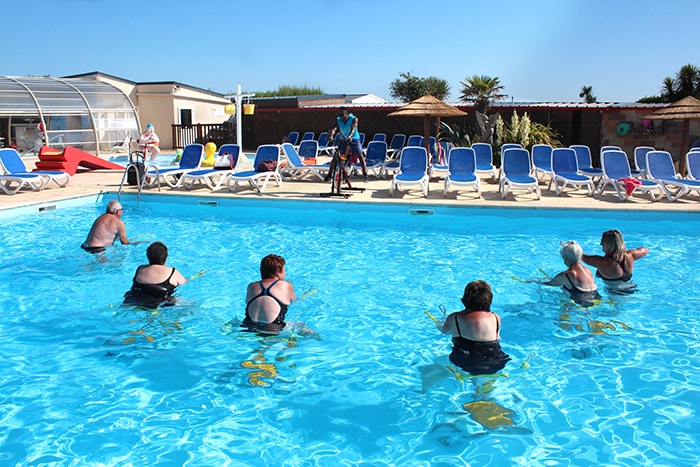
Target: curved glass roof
{"points": [[88, 114]]}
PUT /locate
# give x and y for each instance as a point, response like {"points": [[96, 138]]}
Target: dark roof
{"points": [[174, 83], [526, 105], [98, 73]]}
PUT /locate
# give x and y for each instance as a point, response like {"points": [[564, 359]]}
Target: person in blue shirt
{"points": [[347, 123]]}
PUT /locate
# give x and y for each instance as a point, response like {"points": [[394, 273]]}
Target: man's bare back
{"points": [[106, 229]]}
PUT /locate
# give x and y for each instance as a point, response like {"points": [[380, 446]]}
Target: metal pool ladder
{"points": [[133, 162]]}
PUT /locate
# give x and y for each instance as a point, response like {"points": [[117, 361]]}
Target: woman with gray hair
{"points": [[577, 280]]}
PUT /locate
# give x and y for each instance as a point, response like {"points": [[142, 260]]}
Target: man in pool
{"points": [[106, 229], [475, 332]]}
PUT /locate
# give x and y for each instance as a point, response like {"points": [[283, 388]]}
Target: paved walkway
{"points": [[94, 182]]}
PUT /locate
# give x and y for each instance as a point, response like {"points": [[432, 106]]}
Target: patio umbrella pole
{"points": [[684, 146], [426, 134]]}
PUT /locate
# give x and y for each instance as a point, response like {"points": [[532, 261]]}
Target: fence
{"points": [[202, 133]]}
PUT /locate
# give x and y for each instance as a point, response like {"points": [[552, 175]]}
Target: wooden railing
{"points": [[217, 133]]}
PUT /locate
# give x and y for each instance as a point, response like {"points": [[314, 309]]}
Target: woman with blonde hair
{"points": [[617, 266]]}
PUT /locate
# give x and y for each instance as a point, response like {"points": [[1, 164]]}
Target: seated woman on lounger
{"points": [[475, 332], [577, 280], [267, 300], [617, 266], [154, 283]]}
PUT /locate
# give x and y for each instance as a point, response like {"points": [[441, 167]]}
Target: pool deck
{"points": [[376, 191]]}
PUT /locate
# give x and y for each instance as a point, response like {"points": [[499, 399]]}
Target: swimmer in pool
{"points": [[154, 283], [475, 332], [106, 229], [267, 300], [577, 280], [617, 266]]}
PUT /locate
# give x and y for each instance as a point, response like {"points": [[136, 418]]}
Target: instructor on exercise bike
{"points": [[346, 123]]}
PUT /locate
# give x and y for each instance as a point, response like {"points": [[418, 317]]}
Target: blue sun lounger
{"points": [[484, 160], [617, 174], [516, 172], [13, 164], [258, 178], [661, 170], [296, 168], [413, 170], [565, 172], [461, 170], [214, 178], [189, 161]]}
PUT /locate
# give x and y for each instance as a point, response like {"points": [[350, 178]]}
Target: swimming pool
{"points": [[163, 160], [86, 382], [169, 160]]}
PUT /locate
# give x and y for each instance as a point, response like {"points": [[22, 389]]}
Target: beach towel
{"points": [[630, 184]]}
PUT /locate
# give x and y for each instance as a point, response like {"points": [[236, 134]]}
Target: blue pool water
{"points": [[84, 381], [165, 159]]}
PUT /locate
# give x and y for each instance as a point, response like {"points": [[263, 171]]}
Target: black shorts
{"points": [[92, 249]]}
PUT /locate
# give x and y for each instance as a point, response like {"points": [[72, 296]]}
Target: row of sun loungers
{"points": [[565, 168], [411, 167]]}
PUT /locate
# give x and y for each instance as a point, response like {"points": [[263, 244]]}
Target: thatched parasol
{"points": [[427, 107], [685, 109]]}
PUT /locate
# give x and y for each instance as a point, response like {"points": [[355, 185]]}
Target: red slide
{"points": [[70, 159]]}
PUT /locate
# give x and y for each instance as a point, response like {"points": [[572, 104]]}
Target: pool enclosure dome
{"points": [[85, 113]]}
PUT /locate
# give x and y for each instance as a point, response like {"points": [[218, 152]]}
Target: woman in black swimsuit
{"points": [[267, 300], [154, 283], [475, 332], [617, 266], [577, 280]]}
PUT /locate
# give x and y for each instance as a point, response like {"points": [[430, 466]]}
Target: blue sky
{"points": [[542, 50]]}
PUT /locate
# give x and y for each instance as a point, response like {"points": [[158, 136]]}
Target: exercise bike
{"points": [[339, 172]]}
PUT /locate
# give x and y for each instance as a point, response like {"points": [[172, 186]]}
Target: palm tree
{"points": [[687, 81], [483, 90], [667, 89], [587, 94]]}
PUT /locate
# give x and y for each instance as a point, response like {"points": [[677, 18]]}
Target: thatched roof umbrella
{"points": [[427, 107], [685, 109]]}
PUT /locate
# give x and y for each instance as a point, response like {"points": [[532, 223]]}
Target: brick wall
{"points": [[666, 135], [594, 127]]}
